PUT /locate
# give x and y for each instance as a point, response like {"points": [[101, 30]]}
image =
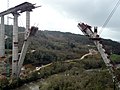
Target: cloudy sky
{"points": [[64, 15]]}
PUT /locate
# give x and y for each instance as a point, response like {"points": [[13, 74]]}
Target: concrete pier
{"points": [[15, 46], [2, 37], [23, 7], [27, 23]]}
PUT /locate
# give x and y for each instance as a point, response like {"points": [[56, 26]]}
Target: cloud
{"points": [[63, 15], [109, 33], [93, 12]]}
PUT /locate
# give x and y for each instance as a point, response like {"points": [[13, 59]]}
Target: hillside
{"points": [[66, 71], [87, 74], [75, 76], [55, 45]]}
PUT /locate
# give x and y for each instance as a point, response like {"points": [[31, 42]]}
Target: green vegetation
{"points": [[115, 57], [57, 47], [53, 46], [75, 76], [93, 81], [86, 74]]}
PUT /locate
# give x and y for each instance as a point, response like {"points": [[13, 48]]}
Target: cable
{"points": [[109, 17]]}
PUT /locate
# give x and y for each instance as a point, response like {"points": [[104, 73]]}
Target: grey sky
{"points": [[63, 15], [93, 12]]}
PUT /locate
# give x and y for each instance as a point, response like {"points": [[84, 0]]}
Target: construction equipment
{"points": [[86, 29]]}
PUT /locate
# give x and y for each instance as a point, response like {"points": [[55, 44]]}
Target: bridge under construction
{"points": [[17, 62]]}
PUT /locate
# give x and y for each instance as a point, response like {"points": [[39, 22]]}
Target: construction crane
{"points": [[87, 31]]}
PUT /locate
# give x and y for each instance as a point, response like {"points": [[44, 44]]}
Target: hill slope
{"points": [[54, 45], [57, 47]]}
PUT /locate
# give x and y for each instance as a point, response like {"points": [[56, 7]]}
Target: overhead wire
{"points": [[109, 17]]}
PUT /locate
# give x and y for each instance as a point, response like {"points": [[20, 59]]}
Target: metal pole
{"points": [[15, 46], [2, 38]]}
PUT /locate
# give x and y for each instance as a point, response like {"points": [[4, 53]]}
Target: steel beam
{"points": [[15, 46], [2, 38]]}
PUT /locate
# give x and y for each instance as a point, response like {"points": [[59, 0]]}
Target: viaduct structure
{"points": [[15, 11]]}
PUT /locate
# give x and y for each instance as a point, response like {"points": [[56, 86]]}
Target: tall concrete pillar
{"points": [[2, 38], [15, 46], [26, 43], [27, 23]]}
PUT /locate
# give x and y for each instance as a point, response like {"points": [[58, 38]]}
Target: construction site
{"points": [[12, 69], [11, 61]]}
